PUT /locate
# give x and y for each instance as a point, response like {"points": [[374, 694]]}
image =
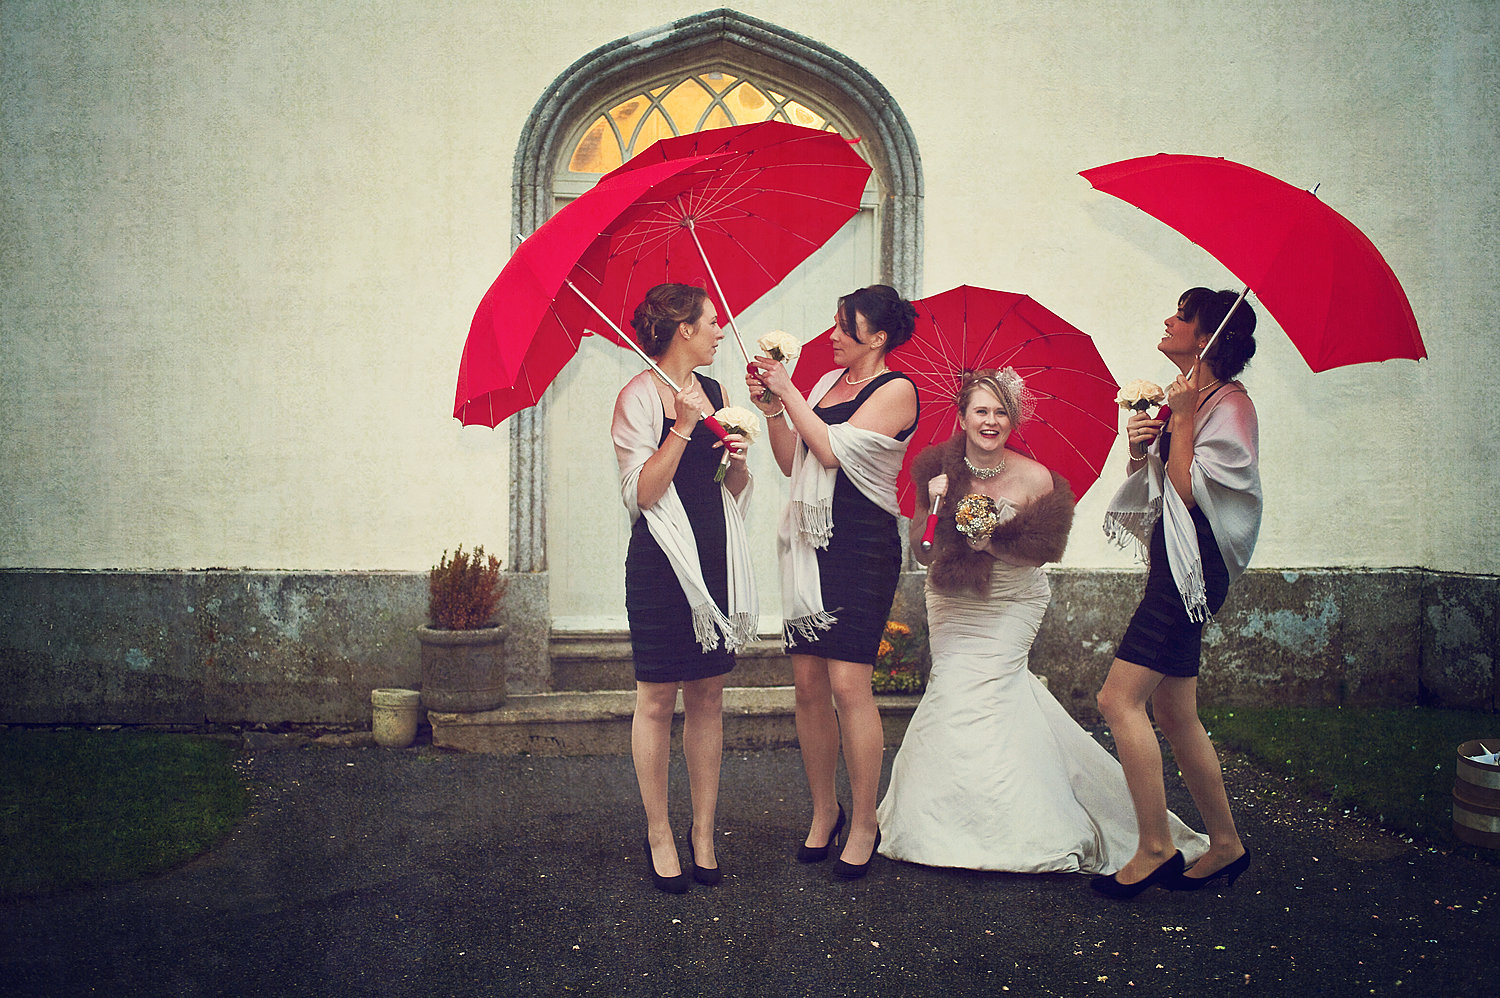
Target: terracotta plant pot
{"points": [[462, 671]]}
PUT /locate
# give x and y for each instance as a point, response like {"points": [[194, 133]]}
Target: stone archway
{"points": [[730, 38]]}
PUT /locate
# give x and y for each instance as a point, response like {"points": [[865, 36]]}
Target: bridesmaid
{"points": [[841, 552], [1193, 499], [689, 592]]}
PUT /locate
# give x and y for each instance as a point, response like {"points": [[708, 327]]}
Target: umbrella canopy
{"points": [[776, 194], [1314, 270], [1076, 418], [758, 201], [529, 323]]}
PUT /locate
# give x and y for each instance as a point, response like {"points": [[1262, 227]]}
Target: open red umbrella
{"points": [[777, 192], [1314, 270], [759, 201], [530, 321], [1076, 418]]}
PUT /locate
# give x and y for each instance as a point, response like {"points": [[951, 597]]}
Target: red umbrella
{"points": [[776, 194], [529, 323], [1075, 420], [758, 202], [1323, 280]]}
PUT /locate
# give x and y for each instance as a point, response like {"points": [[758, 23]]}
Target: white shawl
{"points": [[871, 462], [1226, 486], [636, 431]]}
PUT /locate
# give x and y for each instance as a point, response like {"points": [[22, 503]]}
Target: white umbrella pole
{"points": [[629, 341], [1214, 338], [693, 231], [708, 417]]}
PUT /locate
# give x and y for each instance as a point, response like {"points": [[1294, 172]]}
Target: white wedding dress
{"points": [[993, 774]]}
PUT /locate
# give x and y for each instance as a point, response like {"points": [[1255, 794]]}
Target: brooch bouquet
{"points": [[736, 419], [977, 516]]}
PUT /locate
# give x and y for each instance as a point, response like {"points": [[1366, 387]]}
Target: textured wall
{"points": [[242, 244], [185, 647]]}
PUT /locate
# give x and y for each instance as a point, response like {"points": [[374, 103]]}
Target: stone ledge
{"points": [[598, 723]]}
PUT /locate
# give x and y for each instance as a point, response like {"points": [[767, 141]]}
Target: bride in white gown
{"points": [[992, 773]]}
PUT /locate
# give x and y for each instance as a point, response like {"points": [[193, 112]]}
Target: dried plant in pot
{"points": [[463, 664]]}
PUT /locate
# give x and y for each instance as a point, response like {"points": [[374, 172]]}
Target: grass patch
{"points": [[93, 808], [1393, 766]]}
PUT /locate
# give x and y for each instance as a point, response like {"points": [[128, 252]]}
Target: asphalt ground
{"points": [[426, 873]]}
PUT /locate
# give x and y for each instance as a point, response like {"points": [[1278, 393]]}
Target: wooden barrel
{"points": [[1476, 796]]}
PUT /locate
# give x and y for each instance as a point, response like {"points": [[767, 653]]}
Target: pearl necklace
{"points": [[984, 474], [863, 380]]}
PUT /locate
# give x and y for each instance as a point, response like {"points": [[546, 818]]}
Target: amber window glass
{"points": [[706, 100]]}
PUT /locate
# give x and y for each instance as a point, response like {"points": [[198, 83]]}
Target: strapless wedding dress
{"points": [[993, 774]]}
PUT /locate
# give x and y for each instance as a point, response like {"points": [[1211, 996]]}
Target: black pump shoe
{"points": [[1164, 874], [702, 874], [816, 854], [850, 871], [671, 885], [1230, 873]]}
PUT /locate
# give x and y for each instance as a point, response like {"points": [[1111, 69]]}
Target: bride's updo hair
{"points": [[1006, 385], [662, 310], [883, 309]]}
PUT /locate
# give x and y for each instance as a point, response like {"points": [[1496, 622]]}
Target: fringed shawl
{"points": [[1226, 486], [1037, 533], [636, 431], [871, 461]]}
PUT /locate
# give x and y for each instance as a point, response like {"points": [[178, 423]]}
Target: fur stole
{"points": [[1038, 532]]}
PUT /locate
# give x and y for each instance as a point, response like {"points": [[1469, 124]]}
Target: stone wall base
{"points": [[227, 647]]}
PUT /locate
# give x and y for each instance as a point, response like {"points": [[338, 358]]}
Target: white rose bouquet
{"points": [[778, 346], [1140, 395], [736, 419]]}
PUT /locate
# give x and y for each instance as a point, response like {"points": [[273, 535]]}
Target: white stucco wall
{"points": [[242, 244]]}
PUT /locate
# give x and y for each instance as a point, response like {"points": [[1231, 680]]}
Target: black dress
{"points": [[861, 566], [1160, 635], [661, 621]]}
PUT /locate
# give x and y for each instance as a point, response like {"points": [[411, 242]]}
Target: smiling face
{"points": [[1182, 341], [985, 423]]}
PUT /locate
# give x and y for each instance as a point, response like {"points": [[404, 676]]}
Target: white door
{"points": [[588, 529]]}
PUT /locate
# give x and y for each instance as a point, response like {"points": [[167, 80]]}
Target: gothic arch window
{"points": [[698, 72]]}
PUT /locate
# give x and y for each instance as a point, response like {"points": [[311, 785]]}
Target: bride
{"points": [[993, 774]]}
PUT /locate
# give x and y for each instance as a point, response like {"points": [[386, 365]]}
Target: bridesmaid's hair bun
{"points": [[662, 310], [883, 309], [1236, 344]]}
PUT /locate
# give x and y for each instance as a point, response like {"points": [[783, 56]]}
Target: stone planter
{"points": [[462, 671], [394, 716]]}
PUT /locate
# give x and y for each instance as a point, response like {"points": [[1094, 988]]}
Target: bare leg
{"points": [[818, 737], [864, 742], [651, 748], [1176, 706], [1122, 701], [703, 744]]}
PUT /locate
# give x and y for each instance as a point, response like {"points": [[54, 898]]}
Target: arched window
{"points": [[704, 71], [695, 103]]}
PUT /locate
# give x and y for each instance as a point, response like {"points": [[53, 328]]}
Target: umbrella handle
{"points": [[931, 530], [692, 228]]}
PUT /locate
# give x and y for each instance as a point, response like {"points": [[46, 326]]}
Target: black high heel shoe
{"points": [[1164, 874], [1230, 873], [816, 854], [671, 885], [702, 874], [849, 871]]}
